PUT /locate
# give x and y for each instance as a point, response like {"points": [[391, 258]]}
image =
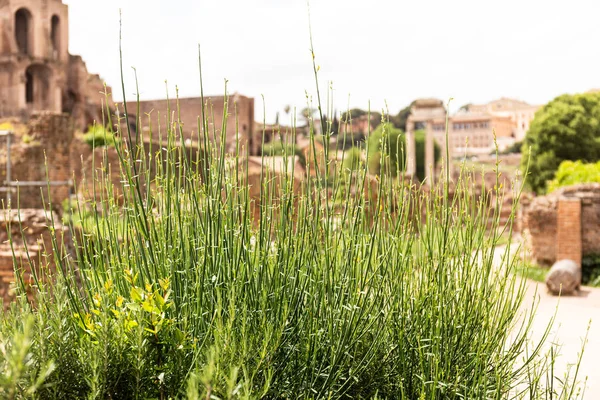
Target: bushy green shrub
{"points": [[590, 270], [347, 140], [392, 142], [514, 148], [190, 293], [352, 160], [567, 128], [195, 288], [386, 150], [98, 135], [574, 172]]}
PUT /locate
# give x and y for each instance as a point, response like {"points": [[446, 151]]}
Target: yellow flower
{"points": [[97, 299], [119, 301], [108, 285], [88, 323], [164, 283]]}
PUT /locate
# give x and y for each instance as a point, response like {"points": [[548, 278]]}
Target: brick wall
{"points": [[240, 118], [568, 235], [540, 222], [37, 237], [40, 153]]}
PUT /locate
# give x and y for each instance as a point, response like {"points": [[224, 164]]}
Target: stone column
{"points": [[411, 160], [568, 235], [429, 155]]}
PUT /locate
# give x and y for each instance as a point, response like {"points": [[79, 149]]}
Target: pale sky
{"points": [[377, 51]]}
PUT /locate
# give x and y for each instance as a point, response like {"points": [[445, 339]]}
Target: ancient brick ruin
{"points": [[40, 152], [239, 131], [37, 73], [563, 225], [31, 248]]}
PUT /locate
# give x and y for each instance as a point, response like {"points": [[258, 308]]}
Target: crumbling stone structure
{"points": [[37, 73], [39, 153], [564, 224], [422, 113], [239, 111], [32, 247]]}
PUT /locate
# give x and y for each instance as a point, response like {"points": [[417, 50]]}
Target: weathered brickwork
{"points": [[40, 153], [568, 235], [35, 237], [240, 119], [37, 73], [540, 222]]}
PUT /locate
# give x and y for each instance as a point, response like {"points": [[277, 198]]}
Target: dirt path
{"points": [[574, 314], [573, 317]]}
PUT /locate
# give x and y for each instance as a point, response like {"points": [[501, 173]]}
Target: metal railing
{"points": [[9, 186]]}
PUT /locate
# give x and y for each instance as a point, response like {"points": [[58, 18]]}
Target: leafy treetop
{"points": [[567, 128]]}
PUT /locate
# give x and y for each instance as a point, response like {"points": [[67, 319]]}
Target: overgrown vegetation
{"points": [[590, 270], [533, 272], [574, 172], [98, 136], [514, 148], [567, 128], [199, 290], [393, 140]]}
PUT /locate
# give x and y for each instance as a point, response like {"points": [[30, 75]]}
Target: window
{"points": [[55, 36], [37, 86], [28, 87], [23, 31]]}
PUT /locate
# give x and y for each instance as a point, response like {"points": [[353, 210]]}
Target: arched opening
{"points": [[37, 87], [23, 34], [55, 36], [28, 87], [69, 98]]}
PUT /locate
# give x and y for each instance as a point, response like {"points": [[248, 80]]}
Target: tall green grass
{"points": [[183, 285]]}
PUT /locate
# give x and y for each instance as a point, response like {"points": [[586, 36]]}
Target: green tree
{"points": [[353, 113], [358, 112], [399, 120], [420, 149], [386, 150], [573, 173], [352, 160], [567, 128], [392, 141], [98, 135]]}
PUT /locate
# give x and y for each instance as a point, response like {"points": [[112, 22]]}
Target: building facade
{"points": [[520, 113], [37, 73], [475, 129]]}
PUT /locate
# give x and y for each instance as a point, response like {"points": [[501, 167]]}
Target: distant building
{"points": [[472, 133], [521, 114], [356, 126], [472, 130], [276, 132], [37, 73]]}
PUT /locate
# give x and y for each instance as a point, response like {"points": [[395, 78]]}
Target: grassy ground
{"points": [[533, 272]]}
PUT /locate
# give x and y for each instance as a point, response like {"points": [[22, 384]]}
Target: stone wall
{"points": [[40, 152], [32, 247], [539, 219], [240, 119]]}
